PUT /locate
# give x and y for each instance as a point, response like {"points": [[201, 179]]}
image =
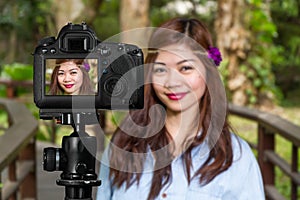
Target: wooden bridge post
{"points": [[28, 187], [266, 142], [12, 177], [294, 169]]}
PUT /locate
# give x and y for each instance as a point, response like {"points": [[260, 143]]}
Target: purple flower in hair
{"points": [[215, 55], [86, 66]]}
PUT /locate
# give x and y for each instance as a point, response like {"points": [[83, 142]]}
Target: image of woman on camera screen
{"points": [[71, 77], [180, 146]]}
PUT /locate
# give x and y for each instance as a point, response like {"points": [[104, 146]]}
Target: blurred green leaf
{"points": [[257, 82], [18, 71]]}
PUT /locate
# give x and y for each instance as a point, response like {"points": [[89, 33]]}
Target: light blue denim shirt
{"points": [[241, 181]]}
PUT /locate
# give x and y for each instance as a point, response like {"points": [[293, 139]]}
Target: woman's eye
{"points": [[60, 74], [159, 70], [186, 68], [73, 72]]}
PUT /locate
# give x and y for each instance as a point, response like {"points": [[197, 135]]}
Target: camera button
{"points": [[53, 51], [105, 71], [120, 48], [105, 62], [81, 167], [44, 51], [105, 51]]}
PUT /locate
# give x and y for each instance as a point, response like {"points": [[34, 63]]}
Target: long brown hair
{"points": [[86, 87], [136, 141]]}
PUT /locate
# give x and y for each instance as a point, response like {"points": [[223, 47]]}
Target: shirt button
{"points": [[164, 195]]}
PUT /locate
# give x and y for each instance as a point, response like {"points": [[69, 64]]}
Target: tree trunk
{"points": [[75, 11], [13, 40], [234, 42], [134, 14], [67, 11]]}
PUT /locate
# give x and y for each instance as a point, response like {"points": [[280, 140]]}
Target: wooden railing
{"points": [[268, 126], [17, 153], [12, 85]]}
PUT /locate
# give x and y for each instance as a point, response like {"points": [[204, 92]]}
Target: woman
{"points": [[180, 145], [70, 77]]}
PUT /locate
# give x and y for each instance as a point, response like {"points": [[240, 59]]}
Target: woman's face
{"points": [[70, 78], [178, 78]]}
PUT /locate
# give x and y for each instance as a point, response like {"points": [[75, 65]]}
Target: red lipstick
{"points": [[69, 86], [176, 96]]}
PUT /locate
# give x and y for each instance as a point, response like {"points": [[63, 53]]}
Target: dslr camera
{"points": [[115, 73], [76, 74]]}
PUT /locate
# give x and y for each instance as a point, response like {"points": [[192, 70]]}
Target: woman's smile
{"points": [[176, 96], [68, 86]]}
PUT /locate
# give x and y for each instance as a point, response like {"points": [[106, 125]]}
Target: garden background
{"points": [[259, 41]]}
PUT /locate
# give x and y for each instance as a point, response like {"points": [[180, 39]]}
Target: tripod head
{"points": [[76, 159]]}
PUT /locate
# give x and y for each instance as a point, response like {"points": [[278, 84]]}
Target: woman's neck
{"points": [[183, 127]]}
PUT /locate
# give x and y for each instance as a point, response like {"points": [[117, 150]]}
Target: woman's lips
{"points": [[69, 86], [176, 96]]}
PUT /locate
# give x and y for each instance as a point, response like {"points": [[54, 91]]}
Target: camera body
{"points": [[115, 71]]}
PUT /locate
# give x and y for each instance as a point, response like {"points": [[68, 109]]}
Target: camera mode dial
{"points": [[47, 41], [105, 51]]}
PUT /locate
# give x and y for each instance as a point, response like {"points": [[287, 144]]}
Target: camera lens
{"points": [[115, 86], [51, 159]]}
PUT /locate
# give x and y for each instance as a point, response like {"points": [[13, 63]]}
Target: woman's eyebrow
{"points": [[185, 60], [73, 69], [159, 63], [178, 63]]}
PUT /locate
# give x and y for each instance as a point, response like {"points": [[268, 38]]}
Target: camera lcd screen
{"points": [[71, 76]]}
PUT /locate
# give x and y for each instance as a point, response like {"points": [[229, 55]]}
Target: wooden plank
{"points": [[266, 142], [281, 126], [244, 112], [15, 83], [8, 189], [272, 122], [283, 165], [18, 135], [272, 193], [11, 186]]}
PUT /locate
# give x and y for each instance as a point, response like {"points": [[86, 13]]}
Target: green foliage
{"points": [[264, 54], [286, 15], [159, 14], [160, 11], [23, 22], [3, 121], [17, 71], [107, 24], [31, 12]]}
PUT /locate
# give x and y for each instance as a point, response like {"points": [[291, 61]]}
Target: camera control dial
{"points": [[47, 41], [105, 51]]}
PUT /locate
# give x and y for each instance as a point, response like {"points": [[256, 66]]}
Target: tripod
{"points": [[76, 159]]}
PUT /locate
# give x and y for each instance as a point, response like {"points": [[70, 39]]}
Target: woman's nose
{"points": [[67, 78], [173, 79]]}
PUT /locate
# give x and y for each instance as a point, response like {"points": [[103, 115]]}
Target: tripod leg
{"points": [[78, 193]]}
